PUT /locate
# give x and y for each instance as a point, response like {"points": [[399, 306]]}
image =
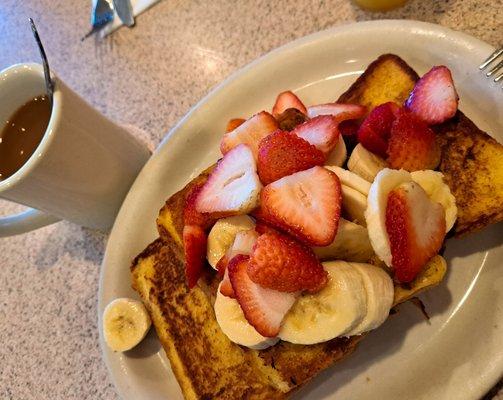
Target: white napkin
{"points": [[138, 7]]}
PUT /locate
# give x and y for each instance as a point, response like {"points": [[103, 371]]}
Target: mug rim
{"points": [[49, 133]]}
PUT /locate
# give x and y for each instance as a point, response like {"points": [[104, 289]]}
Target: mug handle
{"points": [[25, 221]]}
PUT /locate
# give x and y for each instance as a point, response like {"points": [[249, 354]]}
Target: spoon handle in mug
{"points": [[25, 221]]}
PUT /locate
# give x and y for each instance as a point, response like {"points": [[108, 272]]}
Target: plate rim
{"points": [[175, 131]]}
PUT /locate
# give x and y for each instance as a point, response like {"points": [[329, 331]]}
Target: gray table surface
{"points": [[147, 77]]}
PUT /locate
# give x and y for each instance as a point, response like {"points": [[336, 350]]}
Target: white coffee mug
{"points": [[81, 170]]}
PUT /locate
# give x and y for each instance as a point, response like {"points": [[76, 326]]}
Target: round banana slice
{"points": [[350, 179], [375, 214], [125, 323], [336, 309], [234, 325], [437, 190], [221, 236], [339, 154], [351, 243], [380, 294], [354, 204], [364, 163]]}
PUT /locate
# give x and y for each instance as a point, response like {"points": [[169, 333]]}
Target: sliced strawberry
{"points": [[286, 100], [434, 98], [263, 308], [306, 204], [283, 153], [340, 111], [375, 130], [250, 132], [233, 186], [349, 127], [261, 227], [320, 131], [415, 227], [233, 124], [243, 245], [194, 248], [190, 215], [281, 263], [226, 286], [412, 144]]}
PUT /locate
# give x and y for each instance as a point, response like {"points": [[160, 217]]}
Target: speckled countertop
{"points": [[147, 77]]}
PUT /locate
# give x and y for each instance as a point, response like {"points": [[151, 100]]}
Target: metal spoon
{"points": [[49, 84]]}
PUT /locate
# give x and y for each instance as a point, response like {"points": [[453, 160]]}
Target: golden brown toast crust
{"points": [[389, 78], [472, 161], [206, 364]]}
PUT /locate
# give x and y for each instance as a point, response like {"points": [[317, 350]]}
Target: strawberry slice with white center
{"points": [[416, 229], [194, 248], [250, 132], [321, 132], [434, 98], [233, 187], [286, 100], [340, 111], [306, 204], [263, 308]]}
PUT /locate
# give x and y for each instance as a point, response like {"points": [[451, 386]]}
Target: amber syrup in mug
{"points": [[22, 133]]}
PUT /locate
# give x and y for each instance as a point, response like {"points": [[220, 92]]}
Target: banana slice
{"points": [[380, 293], [354, 204], [437, 190], [364, 163], [350, 244], [125, 323], [350, 179], [233, 323], [339, 154], [221, 236], [338, 308], [375, 215]]}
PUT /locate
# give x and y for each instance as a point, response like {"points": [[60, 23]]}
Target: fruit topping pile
{"points": [[291, 223]]}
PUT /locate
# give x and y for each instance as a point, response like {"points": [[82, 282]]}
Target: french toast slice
{"points": [[472, 161]]}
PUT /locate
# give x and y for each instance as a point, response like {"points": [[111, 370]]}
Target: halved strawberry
{"points": [[349, 127], [281, 263], [375, 130], [415, 227], [306, 204], [243, 245], [340, 111], [412, 144], [320, 131], [263, 308], [233, 186], [194, 248], [250, 132], [434, 98], [190, 215], [226, 286], [286, 100], [283, 153], [233, 124], [261, 227]]}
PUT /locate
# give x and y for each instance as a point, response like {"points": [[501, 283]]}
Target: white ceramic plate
{"points": [[459, 354]]}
